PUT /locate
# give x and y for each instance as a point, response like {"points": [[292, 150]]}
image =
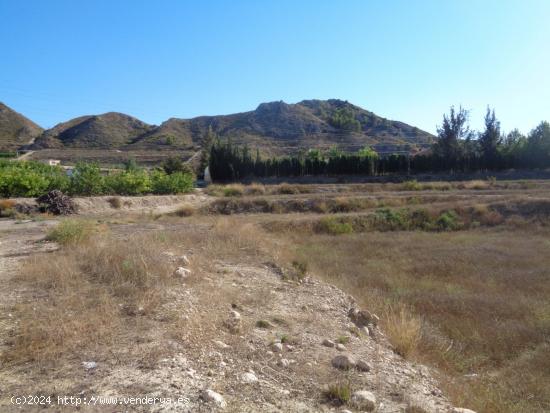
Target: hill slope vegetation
{"points": [[274, 128], [15, 129]]}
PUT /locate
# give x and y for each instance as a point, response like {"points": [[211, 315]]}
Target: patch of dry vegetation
{"points": [[471, 302]]}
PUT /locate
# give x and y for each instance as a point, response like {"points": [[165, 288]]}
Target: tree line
{"points": [[457, 149]]}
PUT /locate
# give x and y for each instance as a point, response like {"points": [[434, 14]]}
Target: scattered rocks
{"points": [[364, 400], [221, 344], [89, 365], [344, 362], [213, 397], [363, 317], [233, 323], [249, 378], [182, 272], [328, 343], [362, 366], [462, 410], [340, 347]]}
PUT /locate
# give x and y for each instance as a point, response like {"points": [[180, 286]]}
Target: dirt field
{"points": [[457, 273]]}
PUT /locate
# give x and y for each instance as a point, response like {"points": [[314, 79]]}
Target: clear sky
{"points": [[405, 60]]}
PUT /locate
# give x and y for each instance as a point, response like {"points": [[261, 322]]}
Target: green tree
{"points": [[490, 140], [451, 136], [207, 143]]}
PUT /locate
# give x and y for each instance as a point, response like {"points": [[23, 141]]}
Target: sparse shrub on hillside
{"points": [[255, 189], [332, 226], [448, 221], [184, 211], [71, 231], [288, 189], [403, 329], [390, 219], [233, 190], [7, 208], [338, 393], [412, 185], [115, 202]]}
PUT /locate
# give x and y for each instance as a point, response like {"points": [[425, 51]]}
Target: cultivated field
{"points": [[457, 272]]}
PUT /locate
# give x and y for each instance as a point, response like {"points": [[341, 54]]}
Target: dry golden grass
{"points": [[482, 295], [403, 328]]}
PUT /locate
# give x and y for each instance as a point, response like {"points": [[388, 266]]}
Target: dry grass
{"points": [[482, 296], [403, 328], [72, 231], [184, 211], [115, 202], [7, 208]]}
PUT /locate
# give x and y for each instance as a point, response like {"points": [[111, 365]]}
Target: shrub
{"points": [[255, 189], [300, 267], [71, 231], [233, 190], [263, 324], [389, 219], [129, 182], [412, 185], [175, 183], [448, 221], [115, 202], [184, 211], [87, 180], [30, 179], [288, 189], [403, 329], [7, 208], [333, 226], [339, 393]]}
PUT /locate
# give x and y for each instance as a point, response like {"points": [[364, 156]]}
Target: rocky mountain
{"points": [[283, 128], [15, 129], [274, 128], [108, 131]]}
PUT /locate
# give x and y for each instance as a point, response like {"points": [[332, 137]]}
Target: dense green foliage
{"points": [[457, 149], [32, 179]]}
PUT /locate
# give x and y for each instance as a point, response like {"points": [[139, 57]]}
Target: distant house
{"points": [[52, 162]]}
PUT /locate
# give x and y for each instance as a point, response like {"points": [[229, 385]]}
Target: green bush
{"points": [[87, 180], [389, 219], [333, 226], [412, 185], [129, 182], [175, 183], [71, 231], [30, 179], [448, 221]]}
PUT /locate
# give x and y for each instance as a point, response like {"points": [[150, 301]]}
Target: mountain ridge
{"points": [[276, 128]]}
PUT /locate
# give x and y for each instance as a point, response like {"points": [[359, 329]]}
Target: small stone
{"points": [[277, 347], [185, 259], [462, 410], [249, 378], [362, 366], [343, 362], [340, 347], [328, 343], [364, 400], [283, 363], [345, 411], [182, 272], [216, 398], [89, 365], [233, 323], [221, 344]]}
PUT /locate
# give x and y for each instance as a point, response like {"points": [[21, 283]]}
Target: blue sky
{"points": [[405, 60]]}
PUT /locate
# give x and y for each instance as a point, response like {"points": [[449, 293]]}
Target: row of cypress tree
{"points": [[456, 149]]}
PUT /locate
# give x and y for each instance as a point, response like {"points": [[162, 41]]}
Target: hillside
{"points": [[15, 129], [107, 131], [282, 128], [275, 128]]}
